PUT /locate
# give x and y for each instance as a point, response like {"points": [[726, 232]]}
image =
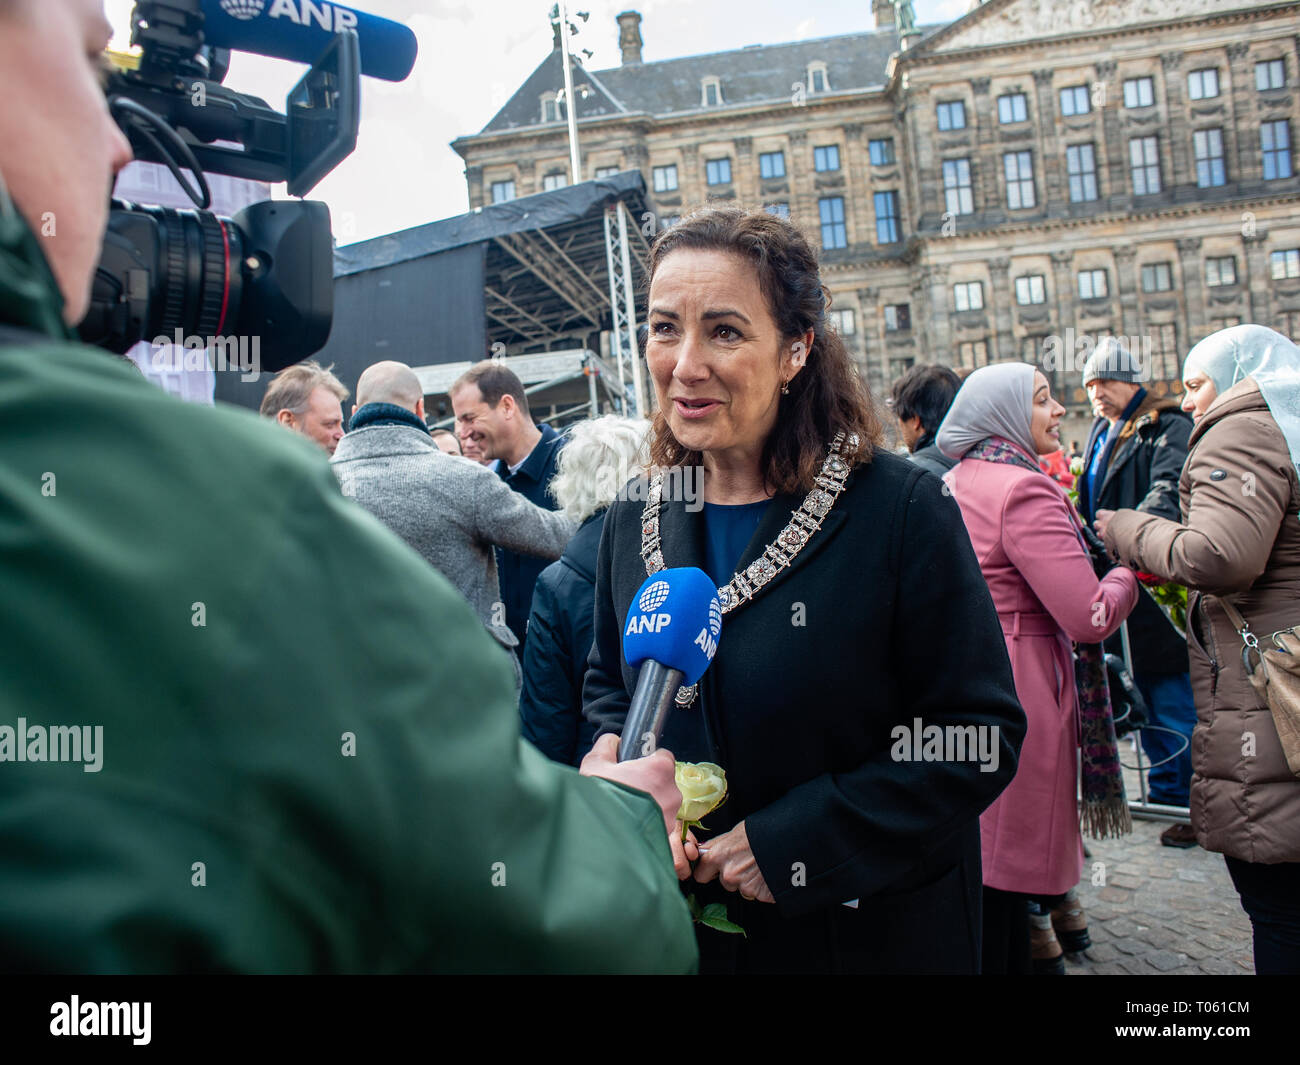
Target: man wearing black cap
{"points": [[1133, 459]]}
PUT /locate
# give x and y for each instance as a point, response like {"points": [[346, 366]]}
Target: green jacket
{"points": [[288, 695]]}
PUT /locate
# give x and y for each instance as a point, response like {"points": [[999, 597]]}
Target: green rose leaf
{"points": [[722, 925]]}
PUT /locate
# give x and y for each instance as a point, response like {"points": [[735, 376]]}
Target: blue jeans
{"points": [[1170, 705]]}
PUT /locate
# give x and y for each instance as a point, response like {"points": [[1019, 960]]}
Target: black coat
{"points": [[518, 573], [884, 617], [1142, 472], [559, 640]]}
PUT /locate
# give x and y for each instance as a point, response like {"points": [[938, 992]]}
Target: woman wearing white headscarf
{"points": [[1029, 543], [1238, 543]]}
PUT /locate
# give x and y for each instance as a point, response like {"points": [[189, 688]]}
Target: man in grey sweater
{"points": [[451, 510]]}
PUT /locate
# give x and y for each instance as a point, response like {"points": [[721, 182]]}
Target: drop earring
{"points": [[785, 388]]}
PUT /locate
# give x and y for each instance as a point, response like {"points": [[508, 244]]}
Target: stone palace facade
{"points": [[1011, 185]]}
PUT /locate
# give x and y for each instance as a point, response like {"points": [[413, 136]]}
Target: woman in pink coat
{"points": [[1029, 545]]}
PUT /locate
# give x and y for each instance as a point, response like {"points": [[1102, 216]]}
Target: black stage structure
{"points": [[552, 282]]}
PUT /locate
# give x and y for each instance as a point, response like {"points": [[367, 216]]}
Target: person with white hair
{"points": [[599, 458]]}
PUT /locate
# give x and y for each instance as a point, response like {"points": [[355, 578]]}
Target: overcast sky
{"points": [[475, 53]]}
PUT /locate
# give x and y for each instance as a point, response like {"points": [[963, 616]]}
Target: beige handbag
{"points": [[1276, 677]]}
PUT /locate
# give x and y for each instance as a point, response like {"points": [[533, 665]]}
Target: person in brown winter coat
{"points": [[1239, 541]]}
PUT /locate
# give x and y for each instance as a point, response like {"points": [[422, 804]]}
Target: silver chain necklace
{"points": [[805, 520]]}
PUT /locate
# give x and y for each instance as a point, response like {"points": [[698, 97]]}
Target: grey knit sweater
{"points": [[450, 509]]}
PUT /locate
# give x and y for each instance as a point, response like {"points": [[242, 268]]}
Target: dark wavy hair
{"points": [[827, 396]]}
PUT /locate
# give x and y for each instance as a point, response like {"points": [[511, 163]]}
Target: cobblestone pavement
{"points": [[1161, 909]]}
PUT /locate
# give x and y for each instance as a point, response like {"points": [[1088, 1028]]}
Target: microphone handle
{"points": [[655, 689]]}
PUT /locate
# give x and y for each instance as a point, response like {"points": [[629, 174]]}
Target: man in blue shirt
{"points": [[492, 415], [1134, 458]]}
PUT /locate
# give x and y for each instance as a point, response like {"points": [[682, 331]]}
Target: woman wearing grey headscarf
{"points": [[1238, 544], [1029, 545]]}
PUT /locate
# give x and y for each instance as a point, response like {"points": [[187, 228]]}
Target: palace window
{"points": [[898, 317], [843, 322], [826, 158], [1157, 277], [958, 197], [951, 115], [1208, 147], [1081, 164], [1139, 92], [1012, 108], [1093, 285], [1075, 100], [1221, 271], [1031, 289], [718, 171], [771, 165], [968, 296], [1144, 165], [1270, 74], [1275, 144], [882, 152], [1019, 170], [1203, 84], [1286, 264], [835, 233], [886, 217], [502, 191], [665, 178]]}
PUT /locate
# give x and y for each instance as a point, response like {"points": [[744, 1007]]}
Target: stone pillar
{"points": [[1195, 320], [986, 162], [1177, 130], [1244, 165], [930, 303], [1256, 284], [474, 179], [1050, 163], [1114, 145], [1126, 285], [998, 306]]}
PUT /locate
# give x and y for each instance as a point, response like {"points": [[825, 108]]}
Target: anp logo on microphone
{"points": [[653, 597], [243, 9]]}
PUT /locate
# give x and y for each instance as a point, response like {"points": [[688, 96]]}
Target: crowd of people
{"points": [[749, 416], [361, 709]]}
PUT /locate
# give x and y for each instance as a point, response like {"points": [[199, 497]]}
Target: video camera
{"points": [[268, 271]]}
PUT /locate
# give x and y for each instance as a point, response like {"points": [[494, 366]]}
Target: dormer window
{"points": [[710, 92], [817, 80], [553, 108]]}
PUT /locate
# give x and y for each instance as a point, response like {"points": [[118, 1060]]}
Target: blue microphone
{"points": [[300, 30], [672, 633]]}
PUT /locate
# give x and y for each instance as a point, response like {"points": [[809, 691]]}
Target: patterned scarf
{"points": [[1105, 808]]}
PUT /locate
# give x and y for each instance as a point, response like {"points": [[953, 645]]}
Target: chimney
{"points": [[629, 37], [884, 12]]}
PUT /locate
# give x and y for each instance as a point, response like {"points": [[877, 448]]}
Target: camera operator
{"points": [[274, 769]]}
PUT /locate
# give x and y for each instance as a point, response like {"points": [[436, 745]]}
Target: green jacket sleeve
{"points": [[311, 759]]}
